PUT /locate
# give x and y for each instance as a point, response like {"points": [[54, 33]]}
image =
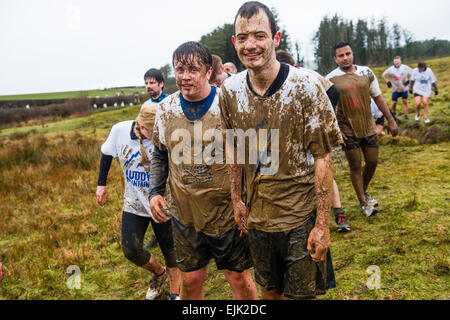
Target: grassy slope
{"points": [[68, 94], [50, 220]]}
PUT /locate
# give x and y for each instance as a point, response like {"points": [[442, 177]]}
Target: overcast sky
{"points": [[62, 45]]}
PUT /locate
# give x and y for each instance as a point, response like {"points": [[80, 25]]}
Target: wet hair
{"points": [[397, 58], [191, 51], [252, 8], [340, 45], [155, 74], [146, 118], [284, 56], [216, 67], [423, 65]]}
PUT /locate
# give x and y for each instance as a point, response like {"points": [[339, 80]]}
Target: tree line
{"points": [[374, 42]]}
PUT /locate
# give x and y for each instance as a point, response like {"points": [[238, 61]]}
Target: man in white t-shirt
{"points": [[397, 78], [421, 82]]}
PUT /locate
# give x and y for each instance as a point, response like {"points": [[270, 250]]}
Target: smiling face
{"points": [[192, 79], [344, 57], [253, 42], [397, 63]]}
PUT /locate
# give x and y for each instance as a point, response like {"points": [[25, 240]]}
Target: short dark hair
{"points": [[155, 74], [340, 45], [284, 56], [191, 50], [252, 8], [422, 64]]}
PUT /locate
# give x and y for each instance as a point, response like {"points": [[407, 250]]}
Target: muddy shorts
{"points": [[356, 143], [282, 262], [194, 249]]}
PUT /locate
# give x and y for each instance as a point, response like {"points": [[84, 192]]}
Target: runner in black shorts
{"points": [[203, 226], [130, 142]]}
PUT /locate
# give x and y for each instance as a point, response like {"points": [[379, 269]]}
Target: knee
{"points": [[372, 163], [236, 279], [131, 253], [191, 282]]}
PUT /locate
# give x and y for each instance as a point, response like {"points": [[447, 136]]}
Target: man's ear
{"points": [[209, 73], [233, 39], [277, 39]]}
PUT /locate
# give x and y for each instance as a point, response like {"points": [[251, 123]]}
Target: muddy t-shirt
{"points": [[399, 76], [120, 144], [293, 126], [353, 110], [200, 185]]}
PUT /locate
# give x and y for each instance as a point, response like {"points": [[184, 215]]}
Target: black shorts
{"points": [[194, 249], [356, 143], [282, 262]]}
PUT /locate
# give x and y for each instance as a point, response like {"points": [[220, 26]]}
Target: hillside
{"points": [[50, 219]]}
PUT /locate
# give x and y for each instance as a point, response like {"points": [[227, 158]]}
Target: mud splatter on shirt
{"points": [[302, 113], [353, 110]]}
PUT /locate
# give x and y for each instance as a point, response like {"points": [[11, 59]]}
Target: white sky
{"points": [[64, 45]]}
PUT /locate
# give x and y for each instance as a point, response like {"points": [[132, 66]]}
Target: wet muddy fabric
{"points": [[282, 262], [300, 119], [199, 184], [194, 249], [353, 110]]}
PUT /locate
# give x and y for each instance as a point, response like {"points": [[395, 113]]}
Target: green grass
{"points": [[50, 219], [70, 94]]}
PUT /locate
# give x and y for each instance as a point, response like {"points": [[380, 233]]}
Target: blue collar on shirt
{"points": [[160, 98], [195, 110]]}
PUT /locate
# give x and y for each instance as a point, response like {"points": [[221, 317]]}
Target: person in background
{"points": [[154, 83], [357, 84], [421, 82], [131, 142], [230, 67], [397, 78], [218, 75]]}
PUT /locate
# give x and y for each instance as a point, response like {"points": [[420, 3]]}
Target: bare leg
{"points": [[336, 200], [174, 280], [425, 107], [394, 105], [354, 161], [242, 284], [153, 266], [192, 284], [405, 107], [371, 159], [418, 100]]}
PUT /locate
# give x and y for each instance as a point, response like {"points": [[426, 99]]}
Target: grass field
{"points": [[71, 94], [50, 220]]}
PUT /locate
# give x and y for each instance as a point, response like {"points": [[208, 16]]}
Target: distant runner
{"points": [[421, 82], [397, 78]]}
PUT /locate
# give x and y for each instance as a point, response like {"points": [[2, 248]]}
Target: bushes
{"points": [[80, 106], [75, 151]]}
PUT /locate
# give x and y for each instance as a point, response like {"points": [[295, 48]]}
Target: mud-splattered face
{"points": [[253, 41], [344, 57], [397, 63], [154, 88], [192, 79]]}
